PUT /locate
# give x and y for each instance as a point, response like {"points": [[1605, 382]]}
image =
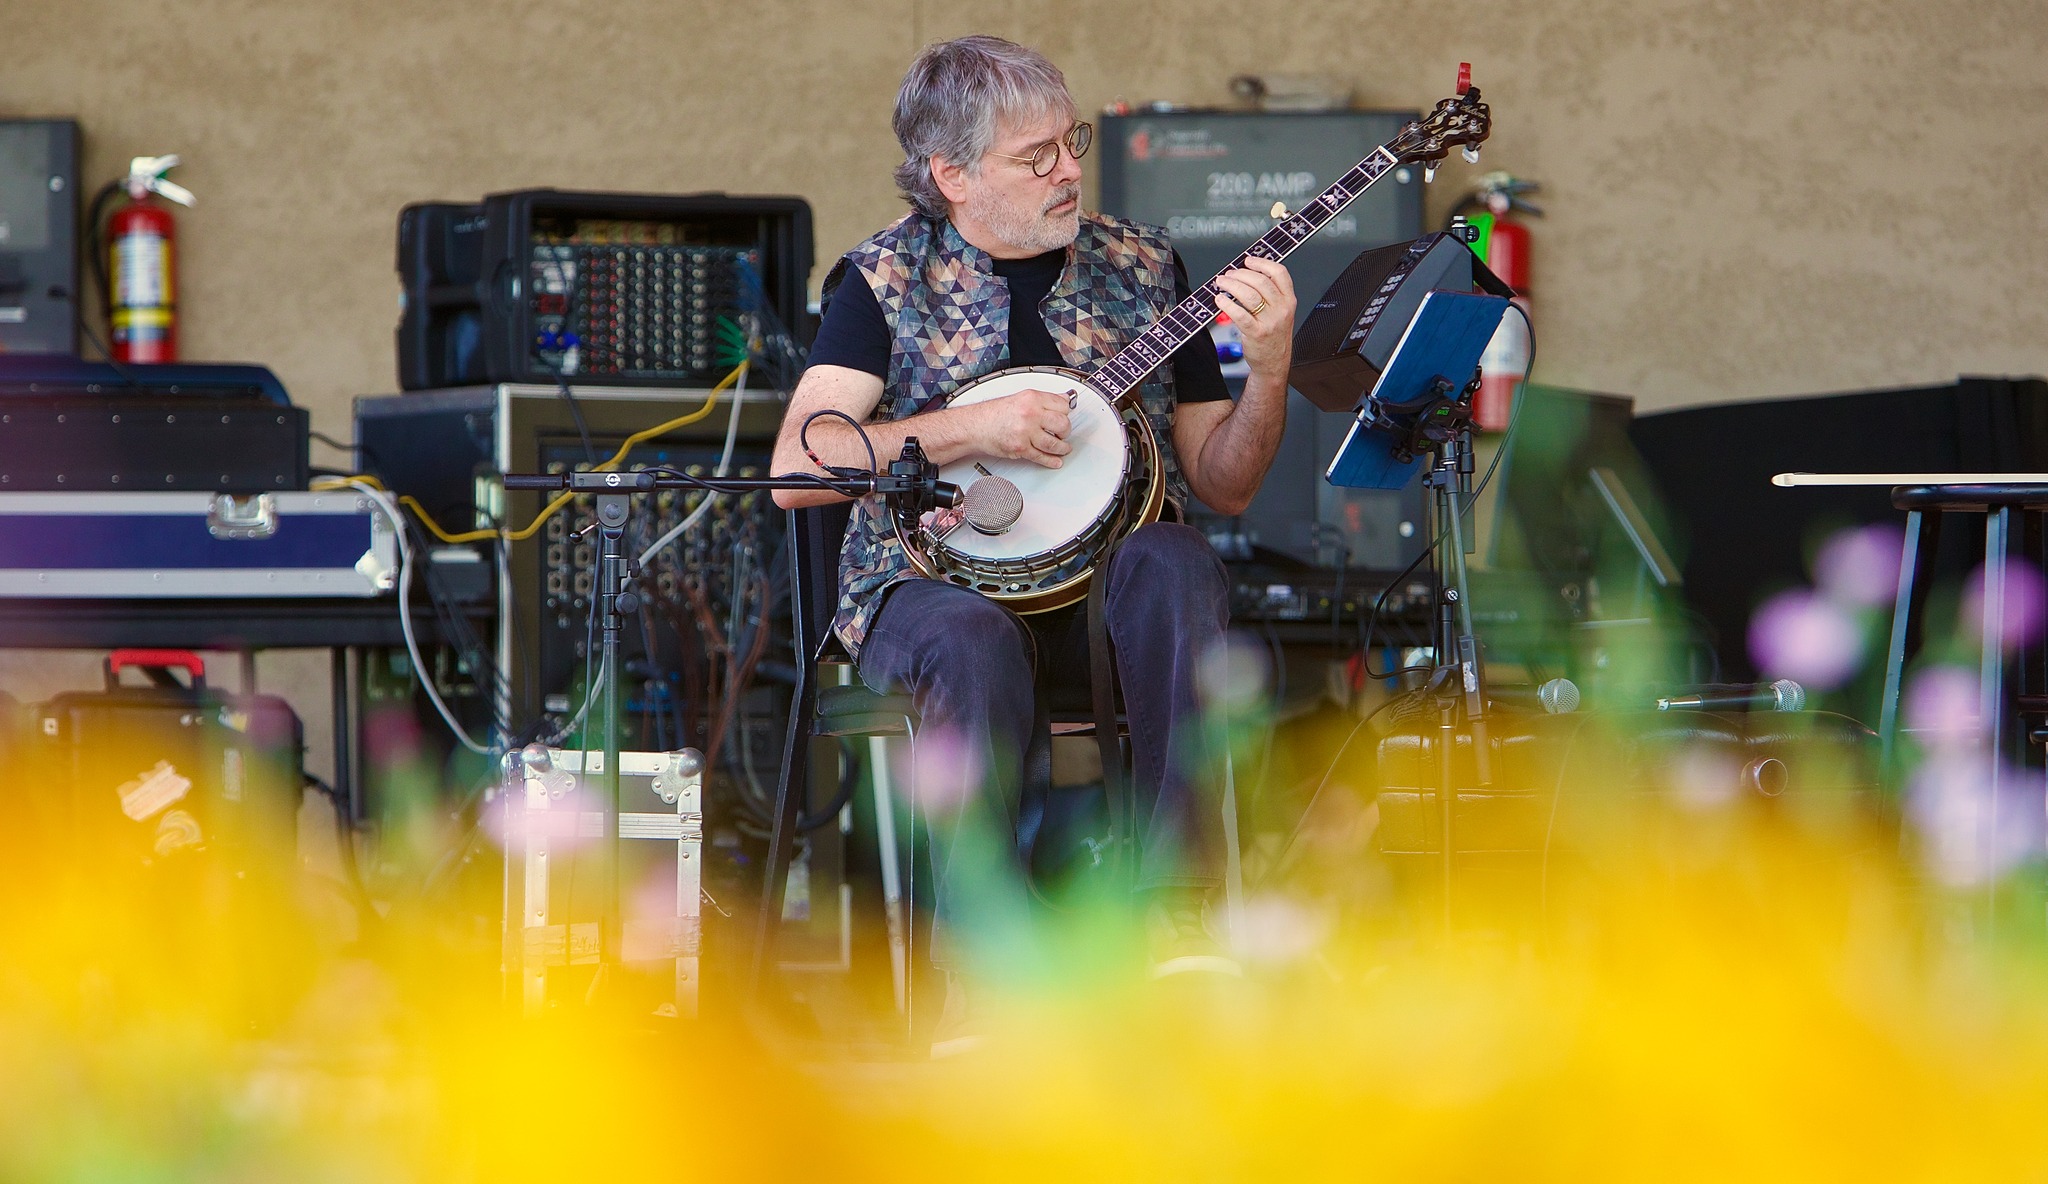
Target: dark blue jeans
{"points": [[973, 668]]}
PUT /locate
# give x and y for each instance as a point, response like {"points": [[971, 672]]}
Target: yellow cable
{"points": [[530, 529], [710, 401]]}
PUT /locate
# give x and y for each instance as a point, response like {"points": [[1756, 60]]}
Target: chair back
{"points": [[815, 533]]}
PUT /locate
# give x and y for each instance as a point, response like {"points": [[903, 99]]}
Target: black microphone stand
{"points": [[911, 484], [1442, 425], [1459, 673]]}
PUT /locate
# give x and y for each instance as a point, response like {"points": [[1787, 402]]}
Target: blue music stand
{"points": [[1442, 344]]}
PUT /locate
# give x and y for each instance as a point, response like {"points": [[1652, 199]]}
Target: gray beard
{"points": [[1031, 231]]}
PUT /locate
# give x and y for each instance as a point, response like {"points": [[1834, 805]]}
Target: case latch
{"points": [[242, 516]]}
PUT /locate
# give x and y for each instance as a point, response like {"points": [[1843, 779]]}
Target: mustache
{"points": [[1064, 193]]}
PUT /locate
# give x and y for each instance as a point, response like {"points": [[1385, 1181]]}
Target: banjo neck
{"points": [[1121, 375], [1046, 557]]}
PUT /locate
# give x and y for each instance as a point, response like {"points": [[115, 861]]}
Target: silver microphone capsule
{"points": [[992, 504]]}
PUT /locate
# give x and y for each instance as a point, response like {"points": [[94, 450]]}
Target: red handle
{"points": [[120, 660]]}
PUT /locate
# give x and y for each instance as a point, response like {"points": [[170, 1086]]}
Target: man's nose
{"points": [[1068, 170]]}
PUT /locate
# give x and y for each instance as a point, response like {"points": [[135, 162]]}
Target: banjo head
{"points": [[1109, 483], [1060, 505]]}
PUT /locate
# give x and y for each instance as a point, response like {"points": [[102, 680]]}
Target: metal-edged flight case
{"points": [[72, 426], [336, 543], [554, 823]]}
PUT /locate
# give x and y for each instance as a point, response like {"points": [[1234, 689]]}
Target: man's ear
{"points": [[951, 179]]}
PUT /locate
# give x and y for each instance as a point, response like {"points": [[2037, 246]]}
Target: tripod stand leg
{"points": [[612, 511], [789, 797], [1446, 794]]}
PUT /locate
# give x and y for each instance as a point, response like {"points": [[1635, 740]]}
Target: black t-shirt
{"points": [[854, 334]]}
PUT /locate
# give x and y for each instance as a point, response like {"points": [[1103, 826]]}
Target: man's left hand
{"points": [[1260, 300]]}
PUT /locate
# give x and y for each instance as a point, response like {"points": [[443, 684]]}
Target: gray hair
{"points": [[952, 100]]}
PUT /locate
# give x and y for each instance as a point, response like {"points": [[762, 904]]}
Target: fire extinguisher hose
{"points": [[96, 245]]}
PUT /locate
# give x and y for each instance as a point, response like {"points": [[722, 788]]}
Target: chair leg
{"points": [[1916, 568], [1992, 691], [1233, 865], [894, 913], [790, 793], [919, 843]]}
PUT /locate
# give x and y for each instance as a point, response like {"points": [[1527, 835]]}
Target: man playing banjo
{"points": [[997, 266]]}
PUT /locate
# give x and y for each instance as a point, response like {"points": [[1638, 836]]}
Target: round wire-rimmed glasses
{"points": [[1047, 156]]}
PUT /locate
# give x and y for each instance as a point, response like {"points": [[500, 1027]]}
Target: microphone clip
{"points": [[912, 486], [912, 479]]}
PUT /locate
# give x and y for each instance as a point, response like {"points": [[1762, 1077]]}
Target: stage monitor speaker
{"points": [[38, 236]]}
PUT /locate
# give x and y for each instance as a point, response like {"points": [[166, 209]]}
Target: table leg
{"points": [[344, 736]]}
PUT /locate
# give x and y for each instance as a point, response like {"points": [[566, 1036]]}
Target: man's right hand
{"points": [[1029, 425]]}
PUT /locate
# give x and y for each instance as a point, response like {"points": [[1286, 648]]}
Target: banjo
{"points": [[1031, 537]]}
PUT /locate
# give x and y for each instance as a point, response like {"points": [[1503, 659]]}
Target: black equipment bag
{"points": [[172, 771], [1641, 783]]}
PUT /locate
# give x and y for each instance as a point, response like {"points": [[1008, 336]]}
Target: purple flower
{"points": [[1861, 566], [1806, 637], [1942, 704], [2026, 605], [1970, 835]]}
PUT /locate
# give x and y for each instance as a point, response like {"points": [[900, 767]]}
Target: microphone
{"points": [[992, 504], [1559, 696], [1782, 695]]}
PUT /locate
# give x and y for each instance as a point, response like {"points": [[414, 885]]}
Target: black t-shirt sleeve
{"points": [[852, 332], [1197, 372]]}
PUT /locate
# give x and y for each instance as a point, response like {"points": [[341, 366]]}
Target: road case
{"points": [[556, 877], [154, 545]]}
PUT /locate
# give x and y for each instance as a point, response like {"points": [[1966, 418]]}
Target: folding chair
{"points": [[854, 710]]}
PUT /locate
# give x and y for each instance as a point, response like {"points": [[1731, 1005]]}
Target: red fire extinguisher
{"points": [[1504, 246], [142, 306]]}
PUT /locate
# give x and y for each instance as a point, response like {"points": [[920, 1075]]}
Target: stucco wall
{"points": [[1746, 198]]}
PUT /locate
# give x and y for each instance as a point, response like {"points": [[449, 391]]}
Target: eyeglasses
{"points": [[1047, 156]]}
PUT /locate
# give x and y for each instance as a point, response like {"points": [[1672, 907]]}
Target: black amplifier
{"points": [[68, 425], [1324, 595], [39, 236], [622, 289]]}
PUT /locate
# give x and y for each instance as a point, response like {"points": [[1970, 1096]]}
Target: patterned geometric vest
{"points": [[949, 315]]}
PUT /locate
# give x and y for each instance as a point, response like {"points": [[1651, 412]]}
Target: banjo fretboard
{"points": [[1120, 375]]}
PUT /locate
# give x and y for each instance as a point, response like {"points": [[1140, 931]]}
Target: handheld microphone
{"points": [[1782, 695], [1559, 696]]}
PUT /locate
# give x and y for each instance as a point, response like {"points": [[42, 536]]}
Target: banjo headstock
{"points": [[1461, 121]]}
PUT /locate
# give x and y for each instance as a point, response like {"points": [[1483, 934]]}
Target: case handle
{"points": [[120, 660]]}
